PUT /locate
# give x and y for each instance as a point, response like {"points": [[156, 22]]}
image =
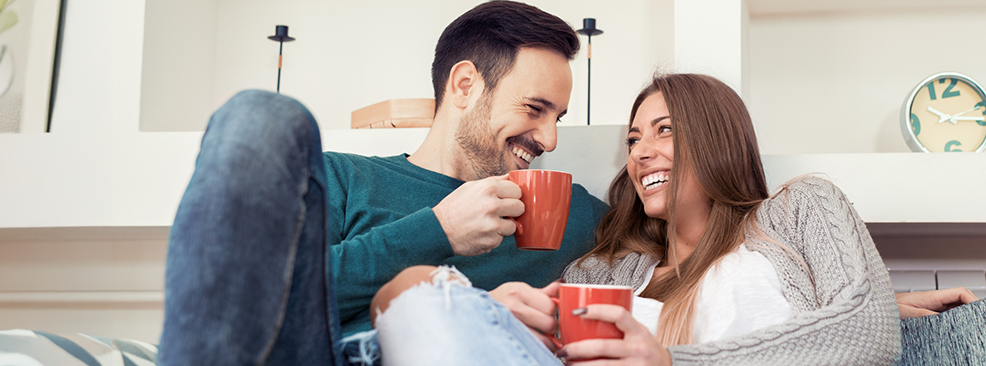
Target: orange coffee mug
{"points": [[574, 296], [546, 195]]}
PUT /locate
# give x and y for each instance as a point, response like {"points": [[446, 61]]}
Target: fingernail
{"points": [[580, 311], [562, 353]]}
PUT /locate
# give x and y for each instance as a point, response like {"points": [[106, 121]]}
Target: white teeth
{"points": [[654, 180], [523, 155]]}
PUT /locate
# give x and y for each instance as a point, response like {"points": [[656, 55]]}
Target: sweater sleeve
{"points": [[845, 311], [371, 242], [363, 264], [629, 270]]}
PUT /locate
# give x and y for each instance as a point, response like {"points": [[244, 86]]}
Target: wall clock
{"points": [[945, 113]]}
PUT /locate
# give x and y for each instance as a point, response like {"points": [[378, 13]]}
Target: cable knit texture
{"points": [[845, 312]]}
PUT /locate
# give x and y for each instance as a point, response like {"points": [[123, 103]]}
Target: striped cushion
{"points": [[29, 348]]}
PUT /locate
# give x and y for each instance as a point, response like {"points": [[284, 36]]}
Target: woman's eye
{"points": [[663, 129], [632, 141]]}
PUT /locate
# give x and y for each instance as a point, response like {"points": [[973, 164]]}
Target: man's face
{"points": [[510, 126]]}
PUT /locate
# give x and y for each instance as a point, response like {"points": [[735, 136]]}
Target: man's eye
{"points": [[535, 109]]}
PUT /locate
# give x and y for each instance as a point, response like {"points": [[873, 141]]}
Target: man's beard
{"points": [[480, 156]]}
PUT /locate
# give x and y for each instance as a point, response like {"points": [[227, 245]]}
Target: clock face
{"points": [[948, 114]]}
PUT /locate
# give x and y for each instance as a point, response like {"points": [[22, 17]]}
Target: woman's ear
{"points": [[464, 84]]}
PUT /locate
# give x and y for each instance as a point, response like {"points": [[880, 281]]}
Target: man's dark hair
{"points": [[490, 35]]}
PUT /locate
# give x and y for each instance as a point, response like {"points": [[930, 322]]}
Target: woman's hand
{"points": [[638, 346], [532, 306], [917, 304]]}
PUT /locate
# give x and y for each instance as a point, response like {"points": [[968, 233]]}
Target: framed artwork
{"points": [[30, 40]]}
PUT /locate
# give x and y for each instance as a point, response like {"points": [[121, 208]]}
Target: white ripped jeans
{"points": [[448, 322]]}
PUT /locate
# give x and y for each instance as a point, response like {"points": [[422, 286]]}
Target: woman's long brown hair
{"points": [[714, 138]]}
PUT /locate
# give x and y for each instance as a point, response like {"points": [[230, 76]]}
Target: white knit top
{"points": [[739, 294]]}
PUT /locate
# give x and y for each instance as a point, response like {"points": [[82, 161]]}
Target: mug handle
{"points": [[520, 228], [554, 340]]}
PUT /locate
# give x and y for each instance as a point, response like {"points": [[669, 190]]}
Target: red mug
{"points": [[574, 296], [547, 195]]}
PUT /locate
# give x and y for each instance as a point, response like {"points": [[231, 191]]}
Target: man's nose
{"points": [[547, 136]]}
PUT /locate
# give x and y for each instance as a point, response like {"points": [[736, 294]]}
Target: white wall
{"points": [[351, 54], [835, 82], [709, 38], [99, 81], [77, 280], [179, 65]]}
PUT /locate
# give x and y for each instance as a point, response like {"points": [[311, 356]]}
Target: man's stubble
{"points": [[480, 156]]}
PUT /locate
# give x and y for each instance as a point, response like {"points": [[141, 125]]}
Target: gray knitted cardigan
{"points": [[846, 316]]}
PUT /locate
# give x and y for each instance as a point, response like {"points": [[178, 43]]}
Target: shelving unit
{"points": [[102, 195], [826, 83]]}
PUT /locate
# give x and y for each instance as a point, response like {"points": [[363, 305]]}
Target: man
{"points": [[249, 277], [502, 81]]}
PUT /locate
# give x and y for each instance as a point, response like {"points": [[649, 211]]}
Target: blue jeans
{"points": [[954, 337], [449, 322], [248, 280]]}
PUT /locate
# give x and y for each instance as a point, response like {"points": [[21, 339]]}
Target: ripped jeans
{"points": [[247, 280], [448, 322]]}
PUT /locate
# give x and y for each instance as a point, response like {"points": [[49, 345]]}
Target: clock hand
{"points": [[964, 112], [942, 117], [963, 118]]}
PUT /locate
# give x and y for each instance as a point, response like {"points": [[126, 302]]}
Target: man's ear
{"points": [[464, 84]]}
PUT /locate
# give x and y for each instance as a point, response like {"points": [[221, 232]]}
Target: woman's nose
{"points": [[642, 151]]}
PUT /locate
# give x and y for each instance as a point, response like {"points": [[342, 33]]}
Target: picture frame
{"points": [[30, 42]]}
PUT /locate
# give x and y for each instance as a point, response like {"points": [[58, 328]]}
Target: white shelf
{"points": [[897, 187], [778, 7], [137, 179], [126, 179]]}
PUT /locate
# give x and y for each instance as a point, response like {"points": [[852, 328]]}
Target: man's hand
{"points": [[531, 306], [917, 304], [474, 215]]}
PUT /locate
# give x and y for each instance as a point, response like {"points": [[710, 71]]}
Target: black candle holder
{"points": [[281, 36], [589, 29]]}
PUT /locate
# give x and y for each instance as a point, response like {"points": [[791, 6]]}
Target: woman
{"points": [[796, 275], [735, 276]]}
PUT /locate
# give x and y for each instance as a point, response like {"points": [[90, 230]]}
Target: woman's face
{"points": [[651, 143]]}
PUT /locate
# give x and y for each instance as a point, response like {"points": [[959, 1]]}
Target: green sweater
{"points": [[381, 222]]}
